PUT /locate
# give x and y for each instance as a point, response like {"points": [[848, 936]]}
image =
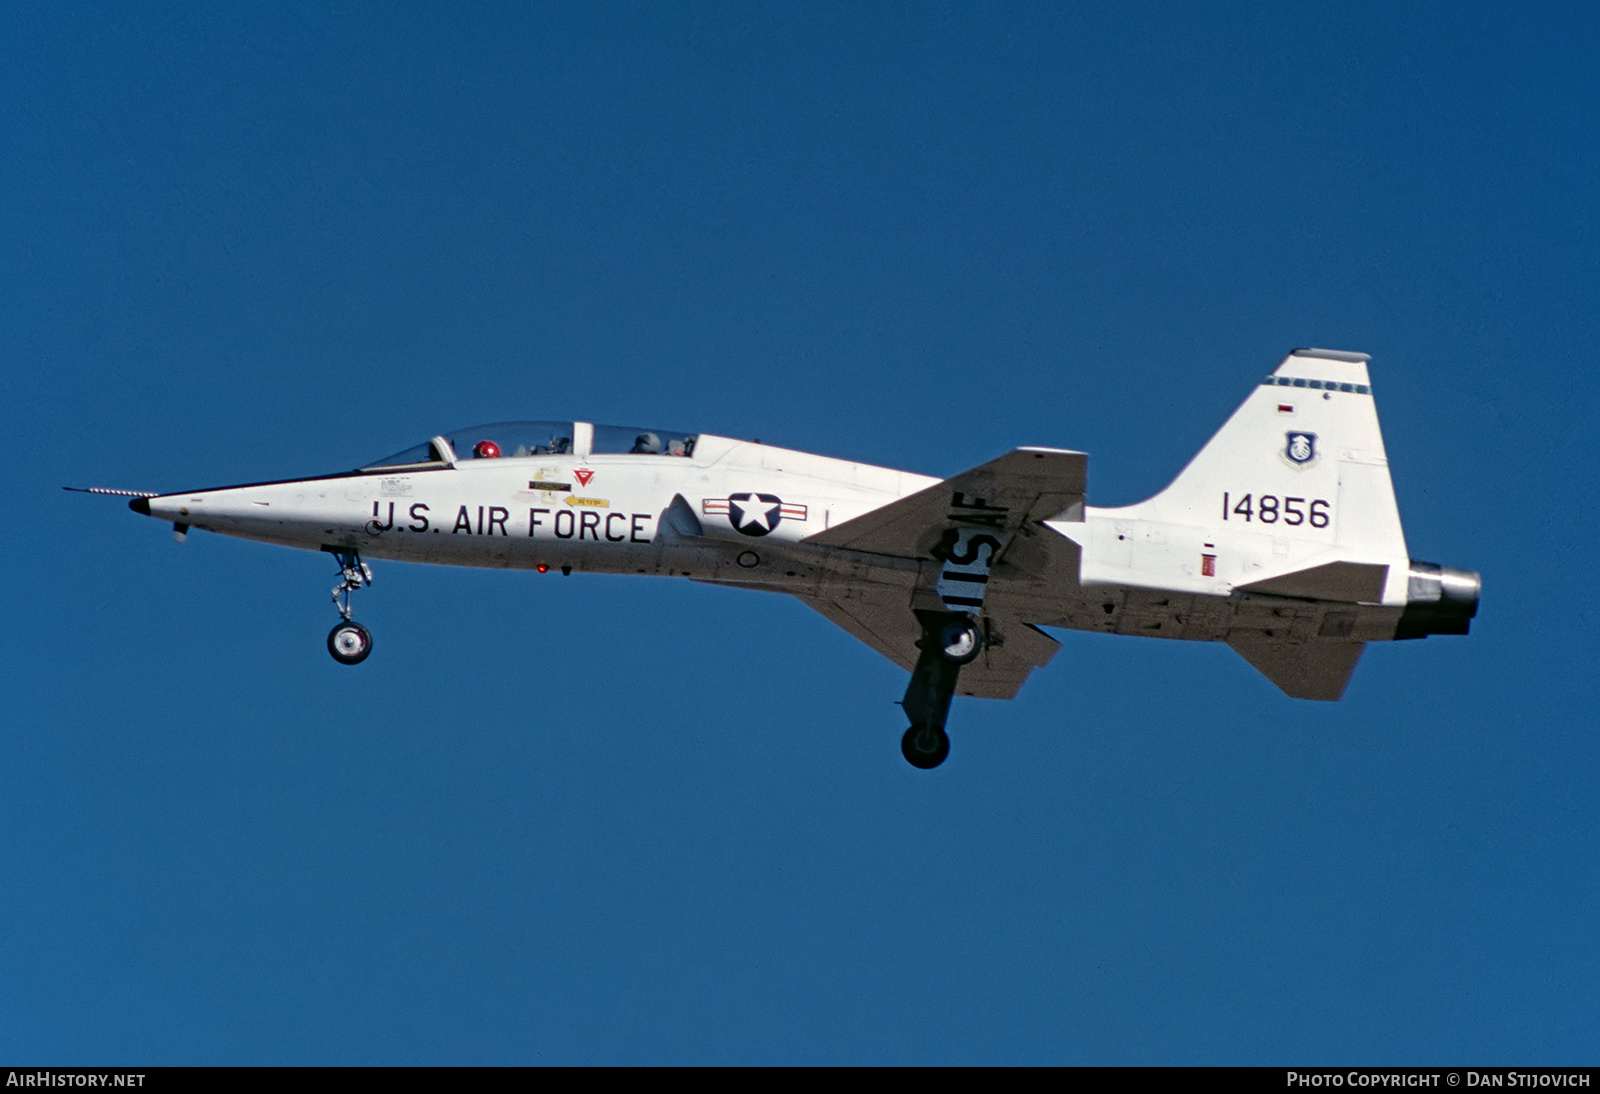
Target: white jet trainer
{"points": [[1281, 538]]}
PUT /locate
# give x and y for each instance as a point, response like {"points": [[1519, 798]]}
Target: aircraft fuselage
{"points": [[1281, 537]]}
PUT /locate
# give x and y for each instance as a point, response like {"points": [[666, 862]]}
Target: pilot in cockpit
{"points": [[647, 444]]}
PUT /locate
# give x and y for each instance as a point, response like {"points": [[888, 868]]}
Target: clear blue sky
{"points": [[609, 820]]}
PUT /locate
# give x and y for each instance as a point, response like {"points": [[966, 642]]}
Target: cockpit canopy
{"points": [[514, 440]]}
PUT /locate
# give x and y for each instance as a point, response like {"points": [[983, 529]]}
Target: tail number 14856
{"points": [[1270, 509]]}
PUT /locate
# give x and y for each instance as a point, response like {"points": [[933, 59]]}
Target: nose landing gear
{"points": [[948, 641], [349, 642]]}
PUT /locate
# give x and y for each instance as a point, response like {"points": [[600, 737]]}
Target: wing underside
{"points": [[883, 620], [966, 524]]}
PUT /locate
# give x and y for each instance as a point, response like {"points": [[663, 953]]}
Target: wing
{"points": [[882, 618], [1000, 498], [1026, 484]]}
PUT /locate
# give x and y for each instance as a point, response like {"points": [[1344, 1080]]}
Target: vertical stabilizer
{"points": [[1296, 480]]}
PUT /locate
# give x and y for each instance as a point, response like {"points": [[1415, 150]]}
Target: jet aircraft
{"points": [[1281, 537]]}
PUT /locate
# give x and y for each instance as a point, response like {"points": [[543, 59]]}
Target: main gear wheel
{"points": [[925, 746]]}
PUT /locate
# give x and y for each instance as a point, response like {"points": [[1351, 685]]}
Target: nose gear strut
{"points": [[353, 574], [349, 642]]}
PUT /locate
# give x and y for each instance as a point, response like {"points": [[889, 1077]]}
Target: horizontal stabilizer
{"points": [[884, 621], [1026, 484], [1318, 669], [1350, 582]]}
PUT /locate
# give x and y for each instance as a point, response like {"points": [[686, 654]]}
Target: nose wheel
{"points": [[349, 641]]}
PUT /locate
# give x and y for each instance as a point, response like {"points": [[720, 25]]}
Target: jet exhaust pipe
{"points": [[1439, 600]]}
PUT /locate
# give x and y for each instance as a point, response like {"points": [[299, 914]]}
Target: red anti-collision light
{"points": [[486, 450], [543, 569]]}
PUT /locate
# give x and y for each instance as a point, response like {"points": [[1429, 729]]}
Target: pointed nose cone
{"points": [[140, 505]]}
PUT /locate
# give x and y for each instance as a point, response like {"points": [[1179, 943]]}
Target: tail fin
{"points": [[1293, 490]]}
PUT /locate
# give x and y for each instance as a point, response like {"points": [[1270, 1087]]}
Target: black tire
{"points": [[960, 642], [925, 746], [349, 643]]}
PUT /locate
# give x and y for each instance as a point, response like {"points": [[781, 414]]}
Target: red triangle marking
{"points": [[583, 475]]}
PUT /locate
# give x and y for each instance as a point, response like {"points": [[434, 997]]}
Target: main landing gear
{"points": [[349, 641], [949, 640]]}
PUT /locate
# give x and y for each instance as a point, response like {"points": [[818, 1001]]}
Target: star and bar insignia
{"points": [[753, 514]]}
